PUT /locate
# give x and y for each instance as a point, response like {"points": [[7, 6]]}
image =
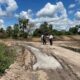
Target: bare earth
{"points": [[42, 62]]}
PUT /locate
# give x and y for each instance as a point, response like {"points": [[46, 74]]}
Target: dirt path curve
{"points": [[37, 62], [71, 58]]}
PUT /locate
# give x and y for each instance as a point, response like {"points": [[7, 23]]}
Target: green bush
{"points": [[7, 57]]}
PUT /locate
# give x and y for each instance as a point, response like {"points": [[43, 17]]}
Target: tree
{"points": [[73, 30], [23, 23], [2, 33], [30, 28], [9, 31], [37, 33], [15, 33], [2, 30], [44, 28], [50, 29], [24, 26]]}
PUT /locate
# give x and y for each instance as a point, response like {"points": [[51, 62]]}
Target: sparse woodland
{"points": [[24, 29]]}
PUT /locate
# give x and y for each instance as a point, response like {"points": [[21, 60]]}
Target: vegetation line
{"points": [[25, 29]]}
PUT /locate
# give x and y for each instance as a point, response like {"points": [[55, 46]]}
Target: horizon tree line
{"points": [[23, 29]]}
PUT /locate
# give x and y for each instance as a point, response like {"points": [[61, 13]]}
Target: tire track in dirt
{"points": [[27, 72], [67, 70]]}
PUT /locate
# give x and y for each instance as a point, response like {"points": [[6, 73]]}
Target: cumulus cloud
{"points": [[77, 18], [1, 23], [2, 13], [57, 16], [53, 14], [58, 23], [72, 6], [11, 6], [77, 15], [24, 14], [48, 10], [52, 10]]}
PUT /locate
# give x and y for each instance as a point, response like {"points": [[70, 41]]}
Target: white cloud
{"points": [[11, 6], [72, 6], [54, 14], [58, 23], [77, 15], [48, 10], [24, 14], [52, 10], [1, 23], [2, 13], [77, 18]]}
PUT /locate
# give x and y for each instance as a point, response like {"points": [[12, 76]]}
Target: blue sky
{"points": [[37, 11]]}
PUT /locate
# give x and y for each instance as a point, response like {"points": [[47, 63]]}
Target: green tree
{"points": [[2, 33], [73, 30], [44, 28], [50, 29], [37, 33], [30, 28], [9, 31], [2, 30], [15, 33], [23, 23]]}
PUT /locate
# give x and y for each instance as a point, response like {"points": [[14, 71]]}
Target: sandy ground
{"points": [[42, 62]]}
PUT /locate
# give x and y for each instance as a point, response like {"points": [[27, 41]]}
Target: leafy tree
{"points": [[2, 33], [37, 33], [56, 32], [73, 30], [15, 33], [25, 28], [45, 29], [30, 28], [50, 29], [9, 31], [23, 23]]}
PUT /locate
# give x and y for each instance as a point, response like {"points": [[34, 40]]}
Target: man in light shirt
{"points": [[43, 39], [51, 39], [79, 30]]}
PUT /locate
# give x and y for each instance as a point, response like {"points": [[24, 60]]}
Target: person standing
{"points": [[43, 39], [79, 31], [51, 39]]}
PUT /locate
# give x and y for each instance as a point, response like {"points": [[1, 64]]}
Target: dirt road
{"points": [[38, 62]]}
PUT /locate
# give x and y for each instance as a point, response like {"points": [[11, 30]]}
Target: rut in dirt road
{"points": [[43, 60], [34, 64], [65, 74]]}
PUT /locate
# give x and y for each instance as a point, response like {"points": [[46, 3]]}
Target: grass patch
{"points": [[7, 57]]}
